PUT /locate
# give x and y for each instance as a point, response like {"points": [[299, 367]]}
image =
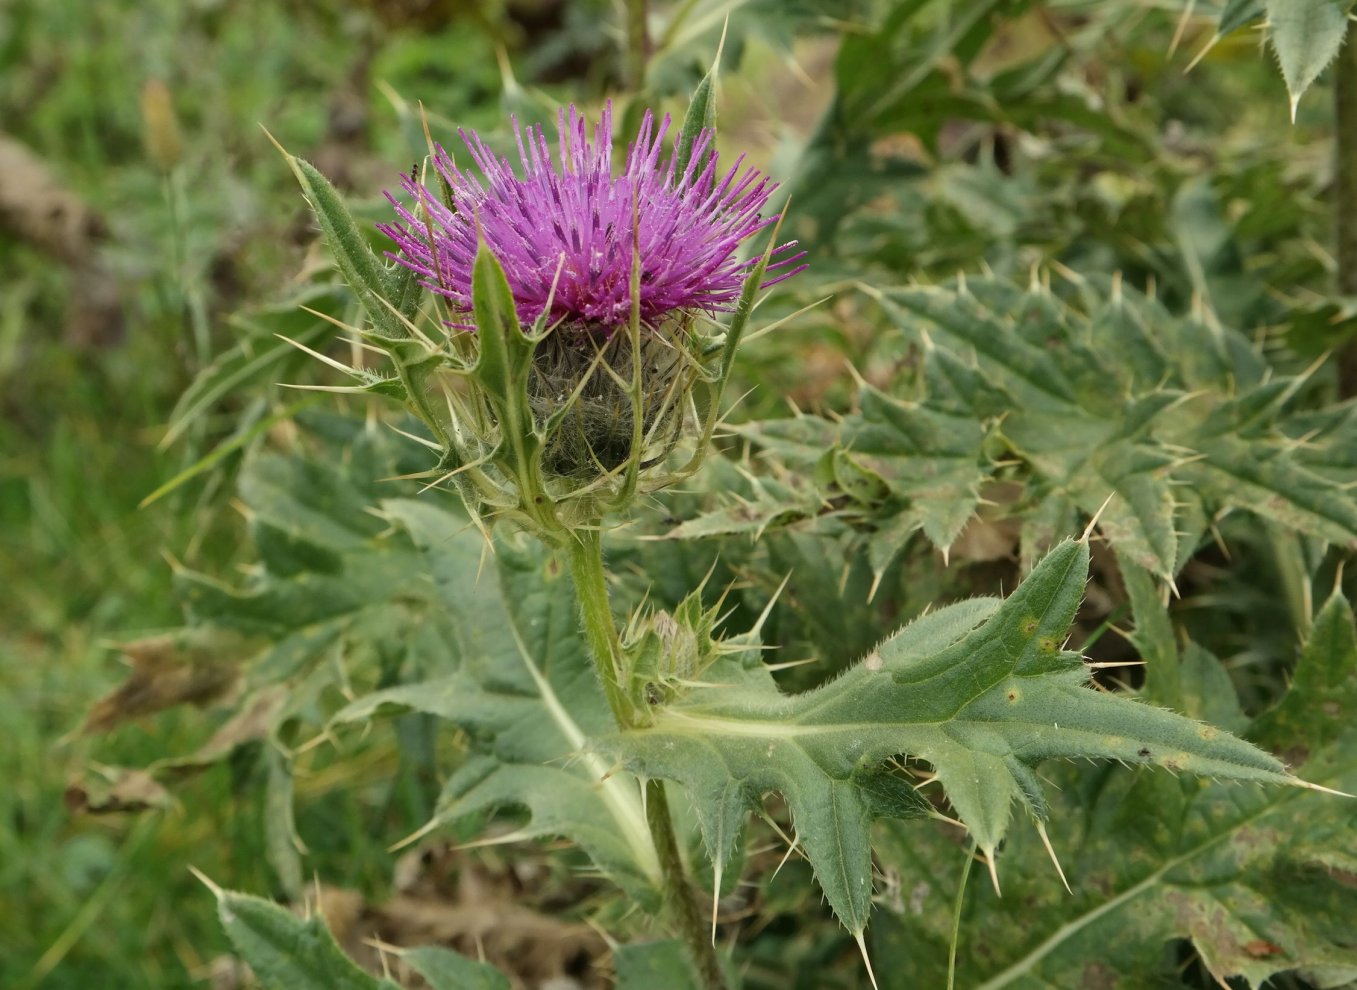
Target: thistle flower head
{"points": [[568, 231]]}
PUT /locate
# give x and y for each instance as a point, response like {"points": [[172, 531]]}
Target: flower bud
{"points": [[666, 653]]}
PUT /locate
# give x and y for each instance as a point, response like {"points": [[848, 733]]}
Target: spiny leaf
{"points": [[287, 952], [1323, 696], [360, 266], [503, 367], [1306, 35], [1093, 403], [921, 464], [333, 579], [981, 691], [1259, 880], [527, 694]]}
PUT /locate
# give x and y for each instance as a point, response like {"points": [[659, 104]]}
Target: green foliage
{"points": [[984, 136], [700, 116], [1257, 880], [447, 970], [655, 966], [1170, 421], [1306, 35], [526, 692], [287, 952], [375, 282], [981, 691]]}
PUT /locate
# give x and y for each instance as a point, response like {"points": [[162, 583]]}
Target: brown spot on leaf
{"points": [[1097, 976], [1261, 948]]}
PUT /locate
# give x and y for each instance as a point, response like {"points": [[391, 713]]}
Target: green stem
{"points": [[678, 897], [638, 44], [956, 915], [591, 587], [1345, 195]]}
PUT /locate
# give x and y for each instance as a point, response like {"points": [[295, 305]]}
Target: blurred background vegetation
{"points": [[153, 243]]}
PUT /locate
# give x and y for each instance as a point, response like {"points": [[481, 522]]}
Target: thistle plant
{"points": [[566, 334], [574, 322]]}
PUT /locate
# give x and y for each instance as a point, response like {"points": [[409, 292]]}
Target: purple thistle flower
{"points": [[565, 237]]}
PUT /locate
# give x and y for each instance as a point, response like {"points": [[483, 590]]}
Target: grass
{"points": [[108, 901]]}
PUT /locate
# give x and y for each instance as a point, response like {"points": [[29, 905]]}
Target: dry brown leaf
{"points": [[120, 789], [194, 666]]}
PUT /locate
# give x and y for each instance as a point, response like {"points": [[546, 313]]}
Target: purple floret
{"points": [[574, 225]]}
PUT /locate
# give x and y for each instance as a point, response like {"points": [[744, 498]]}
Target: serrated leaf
{"points": [[1269, 480], [1322, 700], [287, 952], [766, 503], [1179, 423], [1306, 35], [932, 459], [929, 462], [981, 690], [334, 581], [1260, 881]]}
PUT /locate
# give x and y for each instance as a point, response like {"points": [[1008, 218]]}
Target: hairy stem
{"points": [[678, 897], [591, 587], [1345, 195]]}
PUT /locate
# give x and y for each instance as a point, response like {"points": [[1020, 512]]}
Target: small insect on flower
{"points": [[566, 231]]}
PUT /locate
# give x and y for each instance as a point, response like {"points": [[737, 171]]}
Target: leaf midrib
{"points": [[620, 799]]}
